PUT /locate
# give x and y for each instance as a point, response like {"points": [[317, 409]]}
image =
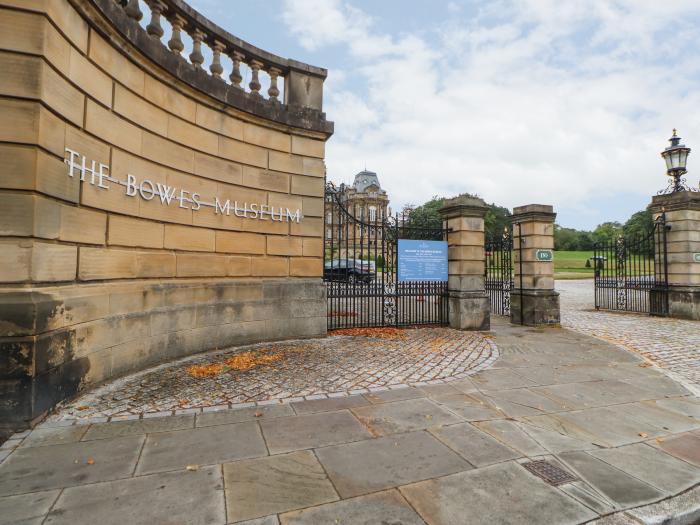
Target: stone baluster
{"points": [[175, 43], [196, 56], [274, 90], [254, 84], [216, 68], [154, 28], [132, 10], [235, 76]]}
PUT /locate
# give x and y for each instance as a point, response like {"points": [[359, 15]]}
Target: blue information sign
{"points": [[422, 260]]}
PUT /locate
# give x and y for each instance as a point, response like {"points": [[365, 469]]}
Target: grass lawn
{"points": [[572, 265]]}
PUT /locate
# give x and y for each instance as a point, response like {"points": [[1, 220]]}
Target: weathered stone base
{"points": [[56, 341], [684, 302], [538, 307], [469, 311]]}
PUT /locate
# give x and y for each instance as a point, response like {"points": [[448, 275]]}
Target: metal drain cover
{"points": [[549, 472]]}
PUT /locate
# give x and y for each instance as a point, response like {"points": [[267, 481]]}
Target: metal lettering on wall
{"points": [[97, 174]]}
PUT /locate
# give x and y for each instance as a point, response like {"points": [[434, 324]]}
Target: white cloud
{"points": [[527, 101]]}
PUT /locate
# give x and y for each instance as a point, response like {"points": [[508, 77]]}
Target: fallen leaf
{"points": [[83, 407], [192, 468], [90, 461], [258, 414], [644, 365], [643, 434]]}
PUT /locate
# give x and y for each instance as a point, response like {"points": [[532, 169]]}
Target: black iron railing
{"points": [[360, 269], [631, 273]]}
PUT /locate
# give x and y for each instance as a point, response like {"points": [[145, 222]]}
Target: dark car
{"points": [[349, 270]]}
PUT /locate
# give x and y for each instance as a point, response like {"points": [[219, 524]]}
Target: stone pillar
{"points": [[683, 251], [469, 305], [533, 301]]}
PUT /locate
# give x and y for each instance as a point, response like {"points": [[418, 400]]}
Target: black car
{"points": [[349, 270]]}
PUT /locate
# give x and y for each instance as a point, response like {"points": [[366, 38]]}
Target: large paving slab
{"points": [[225, 417], [654, 466], [54, 436], [192, 497], [685, 447], [313, 430], [385, 508], [26, 508], [509, 433], [260, 487], [478, 497], [372, 465], [477, 447], [34, 469], [623, 489], [403, 416], [201, 446], [138, 427]]}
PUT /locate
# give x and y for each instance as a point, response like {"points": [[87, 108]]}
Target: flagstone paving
{"points": [[671, 344], [294, 371], [438, 454]]}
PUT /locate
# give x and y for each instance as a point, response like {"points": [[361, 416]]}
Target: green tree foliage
{"points": [[607, 232], [571, 239], [640, 225], [428, 216]]}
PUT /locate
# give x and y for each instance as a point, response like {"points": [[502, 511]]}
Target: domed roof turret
{"points": [[364, 180]]}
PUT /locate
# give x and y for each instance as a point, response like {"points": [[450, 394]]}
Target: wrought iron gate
{"points": [[360, 269], [631, 273], [498, 273]]}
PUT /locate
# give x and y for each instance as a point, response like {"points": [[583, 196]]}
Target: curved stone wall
{"points": [[143, 215]]}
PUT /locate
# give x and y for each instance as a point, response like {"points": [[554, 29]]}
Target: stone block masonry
{"points": [[148, 209], [682, 210], [469, 304], [533, 300]]}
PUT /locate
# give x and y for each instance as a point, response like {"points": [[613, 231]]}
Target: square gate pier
{"points": [[469, 304], [533, 300], [682, 254]]}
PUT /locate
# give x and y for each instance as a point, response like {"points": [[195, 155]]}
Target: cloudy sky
{"points": [[565, 102]]}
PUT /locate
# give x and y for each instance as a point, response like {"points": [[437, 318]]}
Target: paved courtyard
{"points": [[618, 437], [671, 344], [350, 362]]}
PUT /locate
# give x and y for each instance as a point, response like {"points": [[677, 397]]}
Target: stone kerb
{"points": [[682, 212], [142, 216], [469, 304], [533, 300]]}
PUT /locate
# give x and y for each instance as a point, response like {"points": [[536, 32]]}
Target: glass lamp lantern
{"points": [[676, 157]]}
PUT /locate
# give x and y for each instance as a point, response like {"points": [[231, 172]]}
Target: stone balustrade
{"points": [[294, 93]]}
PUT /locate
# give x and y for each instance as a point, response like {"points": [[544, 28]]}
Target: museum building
{"points": [[151, 207]]}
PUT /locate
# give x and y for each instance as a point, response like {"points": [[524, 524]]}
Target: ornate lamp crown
{"points": [[676, 157]]}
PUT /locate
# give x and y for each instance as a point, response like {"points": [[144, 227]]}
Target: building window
{"points": [[328, 233], [329, 218], [372, 213]]}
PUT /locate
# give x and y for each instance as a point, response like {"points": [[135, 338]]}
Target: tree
{"points": [[607, 232], [428, 216], [640, 225]]}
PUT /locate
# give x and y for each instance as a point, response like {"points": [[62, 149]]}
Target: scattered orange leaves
{"points": [[205, 370], [377, 333], [239, 362]]}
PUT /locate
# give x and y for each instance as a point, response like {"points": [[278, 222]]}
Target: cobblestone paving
{"points": [[671, 344], [312, 369]]}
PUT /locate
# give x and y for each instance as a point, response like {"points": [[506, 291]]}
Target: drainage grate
{"points": [[549, 472]]}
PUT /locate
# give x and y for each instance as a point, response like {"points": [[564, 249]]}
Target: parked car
{"points": [[349, 270]]}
